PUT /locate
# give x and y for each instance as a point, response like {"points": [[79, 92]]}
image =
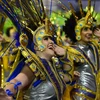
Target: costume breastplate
{"points": [[88, 51], [44, 91], [87, 78]]}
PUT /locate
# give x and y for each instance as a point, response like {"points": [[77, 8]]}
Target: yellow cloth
{"points": [[20, 95], [67, 95]]}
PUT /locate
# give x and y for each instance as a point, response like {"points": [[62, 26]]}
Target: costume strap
{"points": [[9, 93]]}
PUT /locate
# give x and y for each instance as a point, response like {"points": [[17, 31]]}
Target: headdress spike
{"points": [[72, 10], [89, 5], [46, 25], [88, 15], [44, 14], [93, 7], [81, 8], [37, 10]]}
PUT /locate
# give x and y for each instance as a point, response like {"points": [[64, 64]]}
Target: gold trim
{"points": [[87, 62], [15, 62], [82, 95], [84, 88], [57, 77]]}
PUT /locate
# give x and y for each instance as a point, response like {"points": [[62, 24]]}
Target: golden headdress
{"points": [[41, 20], [46, 29], [86, 20], [29, 15]]}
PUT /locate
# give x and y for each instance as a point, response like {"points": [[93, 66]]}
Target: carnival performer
{"points": [[86, 86], [42, 70], [45, 79]]}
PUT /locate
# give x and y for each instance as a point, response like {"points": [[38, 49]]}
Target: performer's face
{"points": [[97, 31], [49, 46], [86, 34]]}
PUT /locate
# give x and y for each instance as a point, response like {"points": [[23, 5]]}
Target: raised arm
{"points": [[25, 78]]}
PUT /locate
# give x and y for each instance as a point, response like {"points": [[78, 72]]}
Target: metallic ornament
{"points": [[78, 38]]}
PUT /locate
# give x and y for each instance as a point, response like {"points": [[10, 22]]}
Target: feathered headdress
{"points": [[29, 15]]}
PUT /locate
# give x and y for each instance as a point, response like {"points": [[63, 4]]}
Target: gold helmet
{"points": [[42, 22], [85, 21], [44, 30]]}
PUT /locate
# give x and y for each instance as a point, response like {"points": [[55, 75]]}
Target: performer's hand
{"points": [[59, 50], [4, 96]]}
